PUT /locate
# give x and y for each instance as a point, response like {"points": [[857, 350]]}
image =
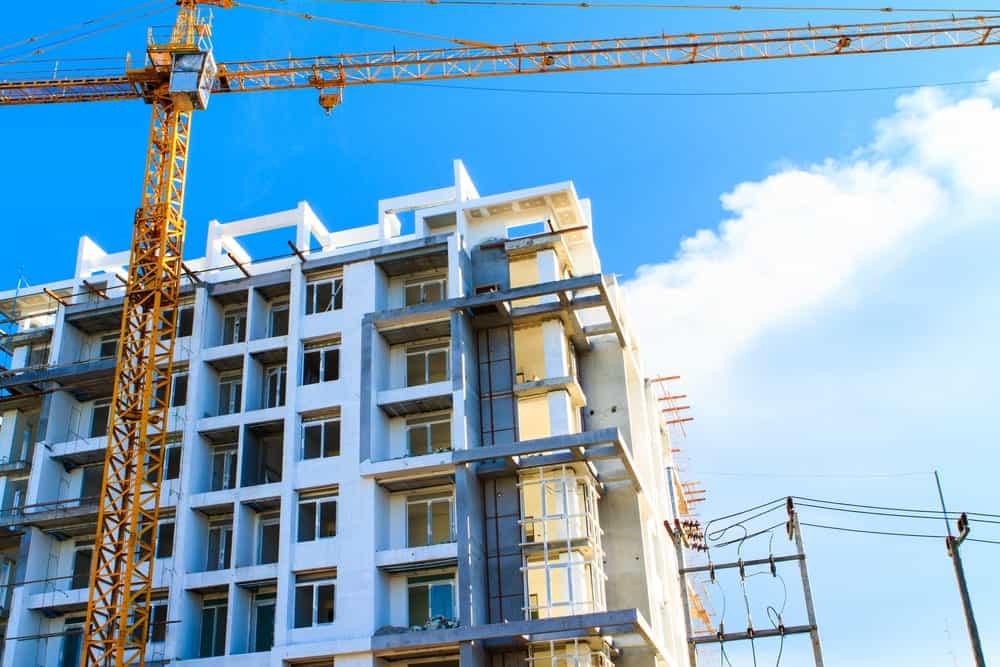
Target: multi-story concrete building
{"points": [[432, 448]]}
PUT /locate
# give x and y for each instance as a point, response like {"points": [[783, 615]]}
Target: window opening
{"points": [[431, 597], [268, 539], [100, 418], [426, 364], [428, 290], [223, 467], [426, 435], [430, 520], [324, 296], [497, 405], [213, 627], [220, 542], [321, 364], [315, 599], [262, 623], [274, 386], [317, 515], [230, 393], [320, 437], [277, 322], [234, 325]]}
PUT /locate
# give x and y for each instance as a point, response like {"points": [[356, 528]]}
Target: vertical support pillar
{"points": [[796, 533], [548, 271]]}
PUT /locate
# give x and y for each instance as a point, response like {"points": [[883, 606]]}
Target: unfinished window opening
{"points": [[321, 362], [324, 295], [274, 386], [268, 527], [83, 555], [213, 626], [277, 319], [234, 325], [93, 475], [315, 598], [230, 393], [426, 364], [561, 542], [220, 543], [158, 621], [571, 653], [430, 519], [431, 597], [72, 642], [262, 454], [38, 355], [496, 397], [179, 390], [426, 290], [224, 467], [184, 325], [317, 514], [100, 418], [172, 462], [262, 619], [320, 437], [429, 434], [107, 346], [165, 538]]}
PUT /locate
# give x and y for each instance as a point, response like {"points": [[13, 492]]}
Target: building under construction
{"points": [[432, 448]]}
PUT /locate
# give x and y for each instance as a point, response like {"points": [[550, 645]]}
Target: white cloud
{"points": [[798, 239]]}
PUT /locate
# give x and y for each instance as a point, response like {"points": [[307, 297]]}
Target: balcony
{"points": [[64, 518]]}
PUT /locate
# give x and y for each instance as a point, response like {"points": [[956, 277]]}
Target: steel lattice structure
{"points": [[122, 575]]}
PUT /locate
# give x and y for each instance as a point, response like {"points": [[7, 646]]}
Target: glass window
{"points": [[82, 558], [234, 325], [274, 386], [93, 475], [185, 322], [321, 364], [321, 438], [223, 467], [220, 542], [426, 435], [323, 296], [429, 520], [213, 627], [277, 324], [317, 516], [262, 623], [430, 290], [100, 418], [426, 364], [431, 597], [230, 394], [315, 601], [267, 539]]}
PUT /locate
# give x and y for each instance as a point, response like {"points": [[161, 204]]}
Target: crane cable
{"points": [[76, 38], [364, 26], [75, 26], [670, 6]]}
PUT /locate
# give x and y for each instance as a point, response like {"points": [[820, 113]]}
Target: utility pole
{"points": [[951, 544]]}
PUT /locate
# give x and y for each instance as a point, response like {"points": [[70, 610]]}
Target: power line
{"points": [[674, 6], [892, 534], [936, 513], [720, 93], [892, 514]]}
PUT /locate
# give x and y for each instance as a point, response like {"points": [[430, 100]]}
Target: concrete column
{"points": [[554, 349], [561, 418], [472, 654], [548, 271]]}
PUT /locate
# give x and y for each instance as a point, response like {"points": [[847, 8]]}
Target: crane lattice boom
{"points": [[337, 71]]}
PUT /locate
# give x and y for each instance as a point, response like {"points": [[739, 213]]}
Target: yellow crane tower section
{"points": [[178, 77]]}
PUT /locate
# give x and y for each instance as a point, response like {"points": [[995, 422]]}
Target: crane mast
{"points": [[117, 624], [179, 75]]}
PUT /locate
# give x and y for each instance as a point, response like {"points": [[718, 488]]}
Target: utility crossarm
{"points": [[331, 73]]}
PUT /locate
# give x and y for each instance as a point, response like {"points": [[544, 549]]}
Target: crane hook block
{"points": [[330, 100]]}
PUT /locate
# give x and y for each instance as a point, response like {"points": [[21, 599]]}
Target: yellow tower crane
{"points": [[178, 78]]}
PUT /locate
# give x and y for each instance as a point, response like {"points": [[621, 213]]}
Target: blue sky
{"points": [[831, 358]]}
